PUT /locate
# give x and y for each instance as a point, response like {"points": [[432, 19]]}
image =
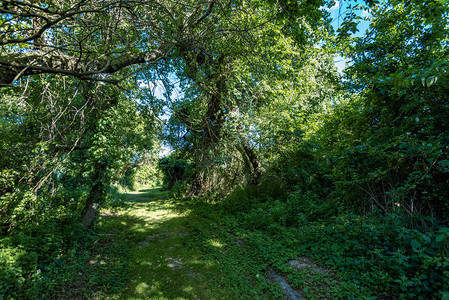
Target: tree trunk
{"points": [[197, 186], [95, 195], [255, 176]]}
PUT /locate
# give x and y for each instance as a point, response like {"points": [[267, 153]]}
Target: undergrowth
{"points": [[61, 259], [230, 244], [370, 256]]}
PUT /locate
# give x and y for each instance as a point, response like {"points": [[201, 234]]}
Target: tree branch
{"points": [[38, 62]]}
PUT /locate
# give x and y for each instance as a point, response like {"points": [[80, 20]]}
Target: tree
{"points": [[67, 141], [43, 125], [397, 157], [228, 80]]}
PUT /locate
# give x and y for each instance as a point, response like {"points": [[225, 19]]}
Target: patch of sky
{"points": [[337, 14], [167, 90]]}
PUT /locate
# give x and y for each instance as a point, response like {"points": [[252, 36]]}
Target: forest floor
{"points": [[182, 250]]}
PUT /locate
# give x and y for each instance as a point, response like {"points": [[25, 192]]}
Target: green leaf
{"points": [[416, 245], [440, 238], [444, 229], [431, 80]]}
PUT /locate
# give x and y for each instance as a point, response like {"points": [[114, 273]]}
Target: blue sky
{"points": [[338, 12]]}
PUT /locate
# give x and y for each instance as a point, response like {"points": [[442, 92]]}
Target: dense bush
{"points": [[244, 198], [58, 259], [28, 257], [382, 255], [173, 169]]}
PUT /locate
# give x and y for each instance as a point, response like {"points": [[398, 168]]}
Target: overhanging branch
{"points": [[18, 65]]}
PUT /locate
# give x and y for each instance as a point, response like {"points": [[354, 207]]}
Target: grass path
{"points": [[163, 261]]}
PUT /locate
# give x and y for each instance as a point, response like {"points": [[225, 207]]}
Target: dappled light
{"points": [[161, 262]]}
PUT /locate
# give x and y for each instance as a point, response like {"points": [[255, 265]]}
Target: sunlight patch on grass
{"points": [[216, 243], [142, 287], [188, 288]]}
